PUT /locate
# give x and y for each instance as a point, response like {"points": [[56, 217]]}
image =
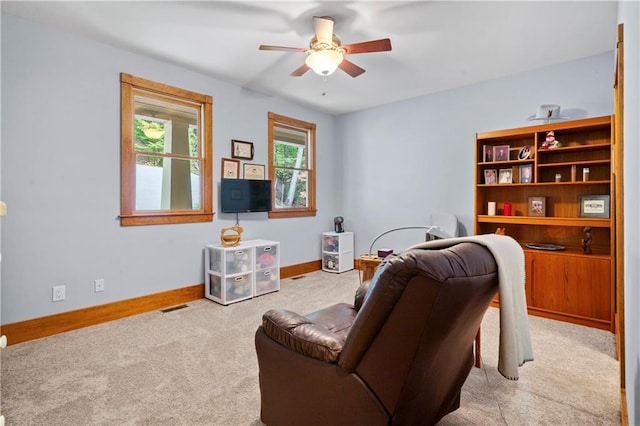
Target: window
{"points": [[165, 154], [292, 166]]}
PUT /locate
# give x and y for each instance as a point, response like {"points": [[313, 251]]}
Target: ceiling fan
{"points": [[325, 53]]}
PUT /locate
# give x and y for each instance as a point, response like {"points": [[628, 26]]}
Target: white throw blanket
{"points": [[515, 338]]}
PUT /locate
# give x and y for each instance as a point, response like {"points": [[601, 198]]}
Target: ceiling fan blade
{"points": [[382, 45], [282, 48], [300, 71], [350, 68], [324, 29]]}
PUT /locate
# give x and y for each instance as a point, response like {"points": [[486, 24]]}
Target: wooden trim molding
{"points": [[37, 328], [618, 184], [299, 269]]}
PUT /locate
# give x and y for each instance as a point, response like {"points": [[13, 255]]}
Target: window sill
{"points": [[281, 214], [165, 218]]}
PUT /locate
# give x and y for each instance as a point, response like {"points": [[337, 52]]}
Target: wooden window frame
{"points": [[310, 210], [129, 216]]}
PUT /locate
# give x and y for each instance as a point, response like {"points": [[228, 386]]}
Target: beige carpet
{"points": [[197, 366]]}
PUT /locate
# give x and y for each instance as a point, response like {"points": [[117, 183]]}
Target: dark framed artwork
{"points": [[594, 206], [242, 149]]}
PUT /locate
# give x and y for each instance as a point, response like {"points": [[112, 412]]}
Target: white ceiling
{"points": [[436, 45]]}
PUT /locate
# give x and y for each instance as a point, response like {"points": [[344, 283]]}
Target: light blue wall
{"points": [[61, 176], [409, 159], [629, 15]]}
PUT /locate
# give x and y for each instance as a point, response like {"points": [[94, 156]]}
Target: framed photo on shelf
{"points": [[253, 171], [501, 153], [537, 206], [526, 173], [487, 153], [241, 149], [230, 168], [505, 176], [594, 206], [490, 176]]}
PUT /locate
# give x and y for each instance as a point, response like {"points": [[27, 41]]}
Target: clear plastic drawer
{"points": [[267, 280]]}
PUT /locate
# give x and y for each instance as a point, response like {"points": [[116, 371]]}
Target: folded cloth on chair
{"points": [[515, 337]]}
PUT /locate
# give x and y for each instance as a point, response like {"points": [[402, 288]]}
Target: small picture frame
{"points": [[241, 149], [490, 176], [487, 153], [230, 168], [594, 206], [537, 206], [505, 176], [501, 153], [253, 171], [524, 153], [526, 173]]}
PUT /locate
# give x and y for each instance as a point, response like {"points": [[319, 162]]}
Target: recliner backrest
{"points": [[413, 334]]}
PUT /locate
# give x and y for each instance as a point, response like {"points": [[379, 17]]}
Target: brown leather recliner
{"points": [[399, 355]]}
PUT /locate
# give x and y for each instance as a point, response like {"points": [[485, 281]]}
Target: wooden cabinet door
{"points": [[570, 284]]}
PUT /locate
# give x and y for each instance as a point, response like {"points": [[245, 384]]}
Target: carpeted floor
{"points": [[197, 366]]}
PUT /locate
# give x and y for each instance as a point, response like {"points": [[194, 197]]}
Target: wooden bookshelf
{"points": [[569, 284]]}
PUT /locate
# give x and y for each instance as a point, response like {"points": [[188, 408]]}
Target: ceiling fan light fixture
{"points": [[324, 62]]}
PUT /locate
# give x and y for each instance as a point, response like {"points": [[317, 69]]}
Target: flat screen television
{"points": [[245, 195]]}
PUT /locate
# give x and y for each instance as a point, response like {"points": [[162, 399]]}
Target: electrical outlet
{"points": [[58, 293], [99, 285]]}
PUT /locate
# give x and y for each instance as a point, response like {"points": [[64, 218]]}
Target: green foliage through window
{"points": [[290, 163], [291, 166]]}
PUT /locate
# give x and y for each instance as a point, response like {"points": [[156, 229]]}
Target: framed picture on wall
{"points": [[242, 149], [253, 171], [230, 168]]}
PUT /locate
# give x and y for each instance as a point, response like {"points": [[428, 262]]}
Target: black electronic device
{"points": [[245, 195]]}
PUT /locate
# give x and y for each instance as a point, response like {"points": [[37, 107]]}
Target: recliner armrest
{"points": [[302, 335]]}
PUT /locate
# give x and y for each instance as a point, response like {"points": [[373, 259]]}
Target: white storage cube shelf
{"points": [[233, 274], [337, 251]]}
